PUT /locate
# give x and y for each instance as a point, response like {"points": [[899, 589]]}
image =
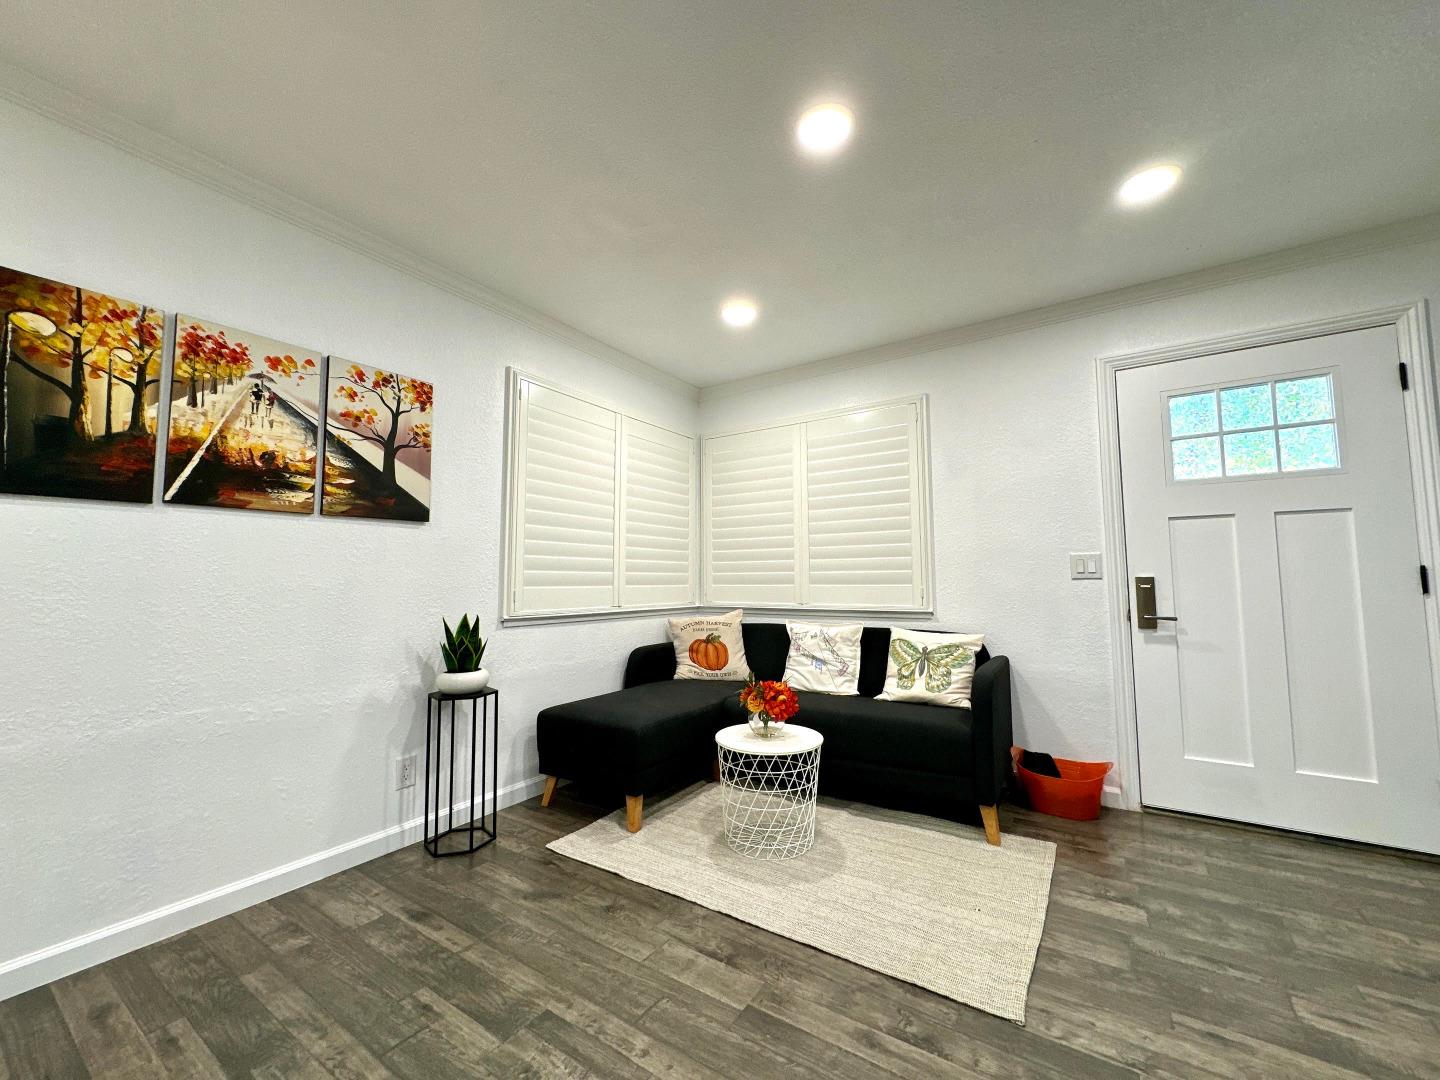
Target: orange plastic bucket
{"points": [[1074, 794]]}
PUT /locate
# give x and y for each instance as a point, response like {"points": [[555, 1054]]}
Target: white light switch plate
{"points": [[1085, 566]]}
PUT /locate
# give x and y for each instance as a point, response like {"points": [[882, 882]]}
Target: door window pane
{"points": [[1249, 453], [1196, 459], [1246, 407], [1311, 447], [1254, 429], [1301, 400], [1193, 414]]}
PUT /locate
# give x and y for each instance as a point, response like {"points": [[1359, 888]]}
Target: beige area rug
{"points": [[921, 899]]}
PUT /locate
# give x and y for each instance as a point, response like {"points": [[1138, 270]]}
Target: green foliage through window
{"points": [[1246, 407], [1311, 447], [1192, 414], [1300, 400], [1254, 429], [1197, 459]]}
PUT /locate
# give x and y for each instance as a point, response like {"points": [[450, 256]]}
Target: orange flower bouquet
{"points": [[769, 702]]}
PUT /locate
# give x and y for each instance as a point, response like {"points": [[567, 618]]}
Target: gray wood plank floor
{"points": [[1173, 948]]}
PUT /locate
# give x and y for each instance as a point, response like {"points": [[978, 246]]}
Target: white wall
{"points": [[166, 732], [1016, 468], [167, 726]]}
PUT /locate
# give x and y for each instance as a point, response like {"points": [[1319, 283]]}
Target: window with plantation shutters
{"points": [[565, 503], [657, 541], [600, 507], [862, 509], [752, 517], [827, 512]]}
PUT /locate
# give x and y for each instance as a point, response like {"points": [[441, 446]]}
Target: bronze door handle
{"points": [[1145, 617]]}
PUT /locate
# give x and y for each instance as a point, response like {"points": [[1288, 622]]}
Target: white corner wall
{"points": [[201, 708], [1015, 466]]}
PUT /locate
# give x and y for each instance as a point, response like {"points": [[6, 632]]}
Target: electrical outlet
{"points": [[404, 772], [1085, 566]]}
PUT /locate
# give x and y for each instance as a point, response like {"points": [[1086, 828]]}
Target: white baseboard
{"points": [[56, 961]]}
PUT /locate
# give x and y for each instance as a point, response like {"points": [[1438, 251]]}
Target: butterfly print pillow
{"points": [[935, 669]]}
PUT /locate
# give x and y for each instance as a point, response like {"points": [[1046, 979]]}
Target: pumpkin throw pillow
{"points": [[709, 647], [934, 669], [824, 659]]}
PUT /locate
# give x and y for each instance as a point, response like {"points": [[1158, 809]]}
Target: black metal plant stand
{"points": [[484, 750]]}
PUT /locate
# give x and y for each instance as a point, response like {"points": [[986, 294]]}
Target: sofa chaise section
{"points": [[640, 739]]}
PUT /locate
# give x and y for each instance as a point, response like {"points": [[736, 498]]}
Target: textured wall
{"points": [[192, 696], [1015, 457], [189, 696]]}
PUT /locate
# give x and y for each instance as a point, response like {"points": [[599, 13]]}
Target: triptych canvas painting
{"points": [[250, 419]]}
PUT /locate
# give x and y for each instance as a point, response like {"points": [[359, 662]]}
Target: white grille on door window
{"points": [[1282, 426]]}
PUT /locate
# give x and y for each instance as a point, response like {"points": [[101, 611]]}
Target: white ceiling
{"points": [[624, 165]]}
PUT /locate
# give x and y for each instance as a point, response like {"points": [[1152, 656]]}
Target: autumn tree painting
{"points": [[79, 387], [377, 460], [244, 421], [135, 362]]}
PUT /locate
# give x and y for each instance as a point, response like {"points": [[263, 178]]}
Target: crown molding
{"points": [[1349, 245], [85, 116]]}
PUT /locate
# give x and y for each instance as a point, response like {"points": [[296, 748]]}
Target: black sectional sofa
{"points": [[658, 733]]}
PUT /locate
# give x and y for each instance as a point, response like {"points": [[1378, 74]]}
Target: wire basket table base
{"points": [[770, 801]]}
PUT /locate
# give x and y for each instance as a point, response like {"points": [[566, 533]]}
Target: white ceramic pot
{"points": [[462, 682]]}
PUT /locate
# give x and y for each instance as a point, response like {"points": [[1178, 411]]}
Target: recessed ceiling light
{"points": [[824, 129], [739, 312], [1147, 185]]}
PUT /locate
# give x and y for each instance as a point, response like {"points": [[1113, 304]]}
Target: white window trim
{"points": [[923, 516], [512, 546]]}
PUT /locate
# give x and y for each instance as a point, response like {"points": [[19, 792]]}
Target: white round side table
{"points": [[769, 787]]}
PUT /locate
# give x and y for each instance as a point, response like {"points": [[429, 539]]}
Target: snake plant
{"points": [[464, 648]]}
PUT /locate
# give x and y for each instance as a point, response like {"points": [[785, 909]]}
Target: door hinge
{"points": [[1424, 580], [1404, 376]]}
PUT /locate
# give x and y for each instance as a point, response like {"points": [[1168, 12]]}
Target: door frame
{"points": [[1422, 428]]}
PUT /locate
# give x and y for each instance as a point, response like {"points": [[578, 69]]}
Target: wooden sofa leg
{"points": [[990, 815], [715, 770], [634, 811], [549, 792]]}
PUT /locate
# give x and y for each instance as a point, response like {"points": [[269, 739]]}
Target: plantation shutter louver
{"points": [[862, 509], [751, 485], [565, 502], [656, 537]]}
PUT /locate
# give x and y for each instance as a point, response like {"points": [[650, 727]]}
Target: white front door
{"points": [[1267, 492]]}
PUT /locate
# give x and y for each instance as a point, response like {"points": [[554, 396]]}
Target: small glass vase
{"points": [[764, 727]]}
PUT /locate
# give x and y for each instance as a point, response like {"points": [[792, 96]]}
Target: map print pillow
{"points": [[824, 659]]}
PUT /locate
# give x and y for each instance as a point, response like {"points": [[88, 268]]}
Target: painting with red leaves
{"points": [[377, 450], [245, 419], [79, 391]]}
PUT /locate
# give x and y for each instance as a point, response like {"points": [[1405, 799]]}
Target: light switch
{"points": [[1085, 566]]}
